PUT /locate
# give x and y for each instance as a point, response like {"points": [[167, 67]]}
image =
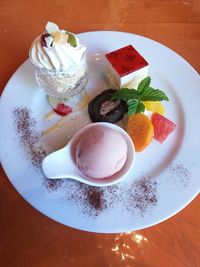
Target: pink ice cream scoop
{"points": [[101, 152]]}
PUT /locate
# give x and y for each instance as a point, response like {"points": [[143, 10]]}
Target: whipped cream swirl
{"points": [[57, 56]]}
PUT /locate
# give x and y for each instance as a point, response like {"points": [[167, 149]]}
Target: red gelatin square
{"points": [[126, 60]]}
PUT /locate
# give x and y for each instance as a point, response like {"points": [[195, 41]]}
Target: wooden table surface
{"points": [[28, 238]]}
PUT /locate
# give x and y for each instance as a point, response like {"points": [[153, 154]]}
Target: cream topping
{"points": [[57, 56]]}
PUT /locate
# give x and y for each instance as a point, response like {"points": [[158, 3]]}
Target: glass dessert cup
{"points": [[61, 84]]}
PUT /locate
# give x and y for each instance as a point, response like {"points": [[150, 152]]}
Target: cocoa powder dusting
{"points": [[142, 195], [137, 196], [180, 174], [90, 200], [52, 184], [95, 198], [25, 126]]}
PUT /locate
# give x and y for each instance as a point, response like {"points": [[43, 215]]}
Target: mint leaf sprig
{"points": [[135, 97]]}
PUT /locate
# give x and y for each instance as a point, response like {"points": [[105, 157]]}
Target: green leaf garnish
{"points": [[135, 106], [132, 106], [151, 94], [134, 97], [71, 39], [144, 84], [125, 94]]}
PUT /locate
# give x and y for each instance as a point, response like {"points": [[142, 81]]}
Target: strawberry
{"points": [[62, 109]]}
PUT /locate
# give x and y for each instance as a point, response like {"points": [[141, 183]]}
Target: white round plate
{"points": [[167, 174]]}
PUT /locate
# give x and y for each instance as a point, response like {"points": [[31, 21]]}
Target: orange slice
{"points": [[140, 129]]}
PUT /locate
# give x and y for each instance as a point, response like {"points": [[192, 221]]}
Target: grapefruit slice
{"points": [[162, 127]]}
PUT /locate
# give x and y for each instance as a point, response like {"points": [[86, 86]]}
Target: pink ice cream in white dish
{"points": [[101, 152]]}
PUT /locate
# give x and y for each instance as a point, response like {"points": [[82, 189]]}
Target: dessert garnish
{"points": [[162, 127], [51, 27], [125, 67], [71, 39], [154, 107], [140, 129], [103, 109], [46, 40], [135, 98], [62, 109], [58, 36]]}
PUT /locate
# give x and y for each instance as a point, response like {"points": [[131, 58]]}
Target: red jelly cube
{"points": [[126, 60]]}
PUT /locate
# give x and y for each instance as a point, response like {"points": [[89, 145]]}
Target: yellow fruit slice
{"points": [[155, 107], [140, 129], [60, 37]]}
